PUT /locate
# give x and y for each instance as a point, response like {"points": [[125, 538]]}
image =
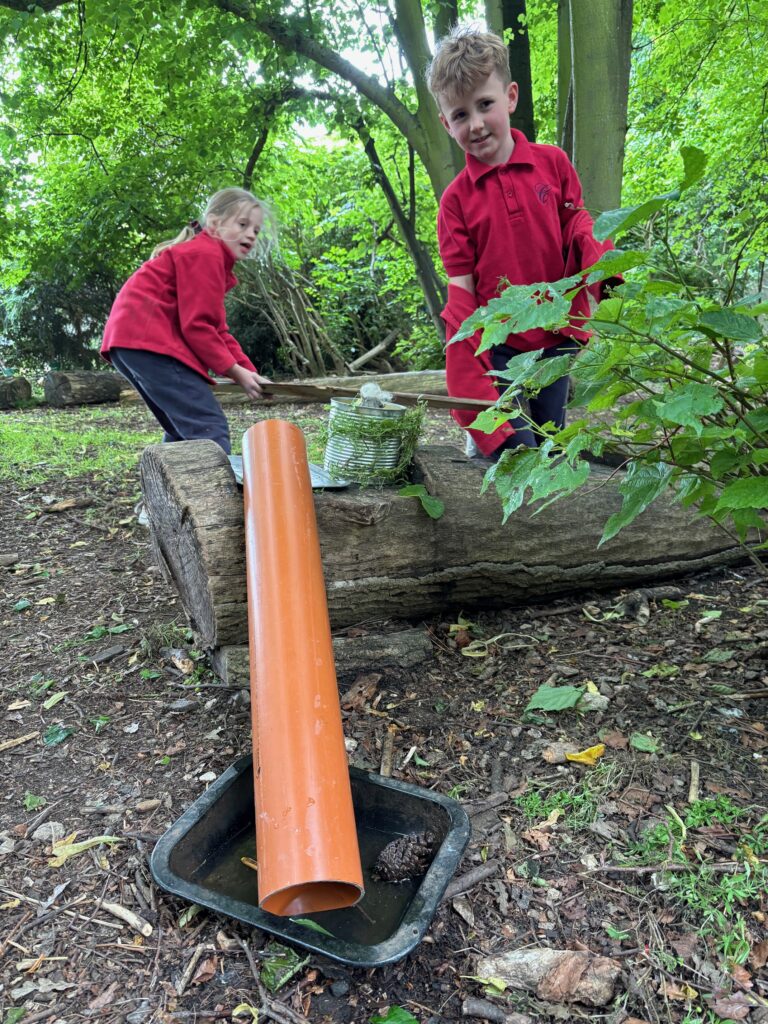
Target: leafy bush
{"points": [[684, 377]]}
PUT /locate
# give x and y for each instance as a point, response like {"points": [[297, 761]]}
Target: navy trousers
{"points": [[548, 405], [178, 397]]}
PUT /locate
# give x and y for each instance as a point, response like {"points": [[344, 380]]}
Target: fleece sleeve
{"points": [[580, 247], [200, 288], [465, 370], [236, 351]]}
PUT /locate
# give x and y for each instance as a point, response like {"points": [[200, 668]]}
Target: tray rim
{"points": [[409, 932]]}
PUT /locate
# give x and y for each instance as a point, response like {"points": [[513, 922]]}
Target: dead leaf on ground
{"points": [[759, 955], [536, 837], [104, 999], [685, 945], [361, 691], [635, 800], [679, 992], [615, 739], [205, 971], [557, 753], [736, 1006]]}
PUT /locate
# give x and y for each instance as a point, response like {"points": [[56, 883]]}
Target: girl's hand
{"points": [[249, 381]]}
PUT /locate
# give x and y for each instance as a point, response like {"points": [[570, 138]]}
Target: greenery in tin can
{"points": [[371, 432]]}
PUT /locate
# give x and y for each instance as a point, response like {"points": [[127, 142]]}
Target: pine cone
{"points": [[406, 857]]}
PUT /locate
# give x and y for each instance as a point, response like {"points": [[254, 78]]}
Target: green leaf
{"points": [[56, 734], [727, 324], [694, 164], [674, 605], [661, 671], [511, 477], [312, 925], [22, 605], [751, 492], [687, 404], [555, 698], [641, 486], [614, 222], [641, 741], [394, 1015], [280, 965], [32, 802], [14, 1014], [615, 262], [718, 655], [434, 507]]}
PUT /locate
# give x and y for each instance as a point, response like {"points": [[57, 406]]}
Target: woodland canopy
{"points": [[120, 118]]}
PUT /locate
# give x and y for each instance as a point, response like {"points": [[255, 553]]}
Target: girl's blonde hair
{"points": [[464, 58], [222, 206]]}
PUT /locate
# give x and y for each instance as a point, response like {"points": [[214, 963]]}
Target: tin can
{"points": [[350, 453]]}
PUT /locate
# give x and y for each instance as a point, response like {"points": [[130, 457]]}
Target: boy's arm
{"points": [[580, 247], [465, 371]]}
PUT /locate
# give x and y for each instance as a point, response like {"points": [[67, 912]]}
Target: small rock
{"points": [[340, 988], [350, 745], [7, 845], [207, 777], [140, 1014], [145, 806], [49, 832]]}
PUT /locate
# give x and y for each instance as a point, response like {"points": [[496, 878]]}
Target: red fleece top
{"points": [[517, 223], [174, 305]]}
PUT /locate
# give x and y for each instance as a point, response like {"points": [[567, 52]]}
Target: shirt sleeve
{"points": [[236, 351], [580, 247], [200, 290], [457, 250]]}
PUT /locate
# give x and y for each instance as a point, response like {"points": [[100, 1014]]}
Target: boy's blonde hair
{"points": [[223, 205], [464, 57]]}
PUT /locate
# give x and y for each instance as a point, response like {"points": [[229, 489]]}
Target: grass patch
{"points": [[579, 803], [42, 446], [717, 901]]}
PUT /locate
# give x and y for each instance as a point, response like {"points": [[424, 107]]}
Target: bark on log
{"points": [[14, 391], [85, 387], [352, 655], [385, 558], [555, 975]]}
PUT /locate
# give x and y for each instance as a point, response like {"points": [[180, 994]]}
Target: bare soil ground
{"points": [[113, 725]]}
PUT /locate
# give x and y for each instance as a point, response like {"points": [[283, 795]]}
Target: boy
{"points": [[514, 215]]}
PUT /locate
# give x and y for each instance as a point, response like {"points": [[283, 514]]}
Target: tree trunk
{"points": [[514, 18], [82, 388], [14, 391], [601, 38], [564, 78], [385, 558]]}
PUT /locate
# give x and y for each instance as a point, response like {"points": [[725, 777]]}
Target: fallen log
{"points": [[384, 558], [402, 650], [85, 387], [14, 392]]}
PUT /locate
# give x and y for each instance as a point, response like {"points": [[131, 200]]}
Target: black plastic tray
{"points": [[198, 859]]}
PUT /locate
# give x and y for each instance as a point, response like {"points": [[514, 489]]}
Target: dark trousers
{"points": [[548, 405], [178, 397]]}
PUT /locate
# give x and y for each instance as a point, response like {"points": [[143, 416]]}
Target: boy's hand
{"points": [[249, 381]]}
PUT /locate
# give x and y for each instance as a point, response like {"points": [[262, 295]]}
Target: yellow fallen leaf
{"points": [[552, 818], [65, 849], [19, 704], [46, 600], [591, 688], [79, 544], [10, 905], [589, 756]]}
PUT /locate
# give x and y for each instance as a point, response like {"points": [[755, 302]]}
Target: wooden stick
{"points": [[139, 924], [693, 789], [325, 392]]}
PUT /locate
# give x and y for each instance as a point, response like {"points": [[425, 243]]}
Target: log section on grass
{"points": [[86, 387], [14, 392], [384, 558]]}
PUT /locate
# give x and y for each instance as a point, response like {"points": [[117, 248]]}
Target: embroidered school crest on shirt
{"points": [[543, 191]]}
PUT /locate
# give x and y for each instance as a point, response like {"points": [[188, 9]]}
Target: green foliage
{"points": [[555, 698], [686, 379], [394, 1015], [434, 507]]}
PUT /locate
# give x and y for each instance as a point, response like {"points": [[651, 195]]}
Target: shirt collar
{"points": [[521, 154]]}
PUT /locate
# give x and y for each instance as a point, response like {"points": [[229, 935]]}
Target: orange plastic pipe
{"points": [[306, 840]]}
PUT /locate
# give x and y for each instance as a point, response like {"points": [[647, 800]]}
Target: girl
{"points": [[167, 327]]}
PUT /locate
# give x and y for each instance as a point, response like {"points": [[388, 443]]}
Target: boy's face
{"points": [[479, 119]]}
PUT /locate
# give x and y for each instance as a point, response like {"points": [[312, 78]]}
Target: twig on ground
{"points": [[693, 789], [472, 878], [136, 922], [189, 970], [725, 867], [387, 752], [270, 1007], [474, 1007]]}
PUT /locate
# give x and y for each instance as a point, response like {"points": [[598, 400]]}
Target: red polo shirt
{"points": [[174, 305], [518, 223]]}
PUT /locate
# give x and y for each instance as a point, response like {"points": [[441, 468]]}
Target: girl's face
{"points": [[240, 231]]}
